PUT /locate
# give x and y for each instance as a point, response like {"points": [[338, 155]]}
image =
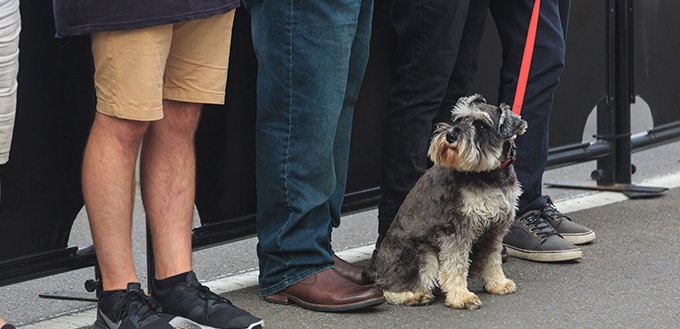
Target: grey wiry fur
{"points": [[452, 222]]}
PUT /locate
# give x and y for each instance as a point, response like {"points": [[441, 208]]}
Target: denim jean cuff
{"points": [[537, 204]]}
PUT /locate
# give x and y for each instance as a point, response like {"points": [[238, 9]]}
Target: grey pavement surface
{"points": [[626, 279]]}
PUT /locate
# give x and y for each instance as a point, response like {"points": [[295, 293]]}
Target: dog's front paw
{"points": [[463, 300], [501, 288]]}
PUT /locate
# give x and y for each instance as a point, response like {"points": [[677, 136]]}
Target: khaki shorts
{"points": [[136, 69]]}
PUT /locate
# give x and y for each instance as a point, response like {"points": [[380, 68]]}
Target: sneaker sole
{"points": [[578, 238], [179, 322], [544, 256]]}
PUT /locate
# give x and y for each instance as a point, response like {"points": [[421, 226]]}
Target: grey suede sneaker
{"points": [[570, 231], [531, 237], [132, 309], [192, 305]]}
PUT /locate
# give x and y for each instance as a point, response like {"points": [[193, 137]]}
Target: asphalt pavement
{"points": [[627, 278]]}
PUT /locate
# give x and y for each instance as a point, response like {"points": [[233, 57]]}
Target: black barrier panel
{"points": [[365, 162], [41, 193], [225, 140], [657, 51]]}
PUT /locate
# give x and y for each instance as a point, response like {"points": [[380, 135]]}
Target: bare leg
{"points": [[168, 173], [108, 189]]}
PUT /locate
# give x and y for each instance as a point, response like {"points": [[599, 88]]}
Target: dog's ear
{"points": [[510, 125]]}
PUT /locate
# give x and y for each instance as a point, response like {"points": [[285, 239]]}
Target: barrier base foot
{"points": [[631, 191], [70, 295]]}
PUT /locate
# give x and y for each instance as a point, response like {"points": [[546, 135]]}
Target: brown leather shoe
{"points": [[328, 291], [348, 270]]}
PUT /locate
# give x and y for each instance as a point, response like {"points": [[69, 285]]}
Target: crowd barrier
{"points": [[615, 51]]}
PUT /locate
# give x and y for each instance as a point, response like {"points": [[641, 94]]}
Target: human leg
{"points": [[10, 28], [108, 189], [195, 73], [129, 96], [465, 70], [108, 177], [532, 236], [428, 36], [295, 133], [305, 48], [167, 177], [357, 67], [512, 19], [358, 59]]}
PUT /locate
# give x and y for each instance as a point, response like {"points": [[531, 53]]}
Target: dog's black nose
{"points": [[450, 137]]}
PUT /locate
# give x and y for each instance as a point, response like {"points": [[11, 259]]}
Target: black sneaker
{"points": [[570, 231], [132, 309], [531, 237], [7, 326], [191, 305]]}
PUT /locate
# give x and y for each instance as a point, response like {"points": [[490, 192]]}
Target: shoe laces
{"points": [[207, 295], [138, 300], [539, 227], [550, 211]]}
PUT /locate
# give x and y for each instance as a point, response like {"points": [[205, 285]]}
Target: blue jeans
{"points": [[311, 61], [512, 19]]}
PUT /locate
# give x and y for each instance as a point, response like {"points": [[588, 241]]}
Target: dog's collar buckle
{"points": [[511, 158]]}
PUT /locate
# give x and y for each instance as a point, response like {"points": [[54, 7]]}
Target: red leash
{"points": [[526, 60]]}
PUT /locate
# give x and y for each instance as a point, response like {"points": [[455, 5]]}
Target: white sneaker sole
{"points": [[179, 322], [578, 238], [544, 256]]}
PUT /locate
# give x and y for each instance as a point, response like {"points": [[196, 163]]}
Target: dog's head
{"points": [[478, 138]]}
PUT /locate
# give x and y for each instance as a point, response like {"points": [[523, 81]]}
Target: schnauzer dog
{"points": [[452, 222]]}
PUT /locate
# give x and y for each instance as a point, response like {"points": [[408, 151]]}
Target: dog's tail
{"points": [[369, 275]]}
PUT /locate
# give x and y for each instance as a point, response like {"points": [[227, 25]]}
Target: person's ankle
{"points": [[171, 282]]}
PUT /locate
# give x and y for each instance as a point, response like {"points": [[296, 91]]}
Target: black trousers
{"points": [[435, 63], [512, 19]]}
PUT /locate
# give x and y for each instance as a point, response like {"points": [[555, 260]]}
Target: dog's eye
{"points": [[480, 126]]}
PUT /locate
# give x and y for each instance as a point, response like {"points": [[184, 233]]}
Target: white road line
{"points": [[249, 279]]}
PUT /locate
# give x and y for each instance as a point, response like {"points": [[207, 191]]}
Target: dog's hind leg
{"points": [[409, 298], [422, 293], [495, 281], [453, 272]]}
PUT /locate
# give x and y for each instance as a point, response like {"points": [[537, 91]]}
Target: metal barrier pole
{"points": [[614, 170], [613, 116], [623, 59]]}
